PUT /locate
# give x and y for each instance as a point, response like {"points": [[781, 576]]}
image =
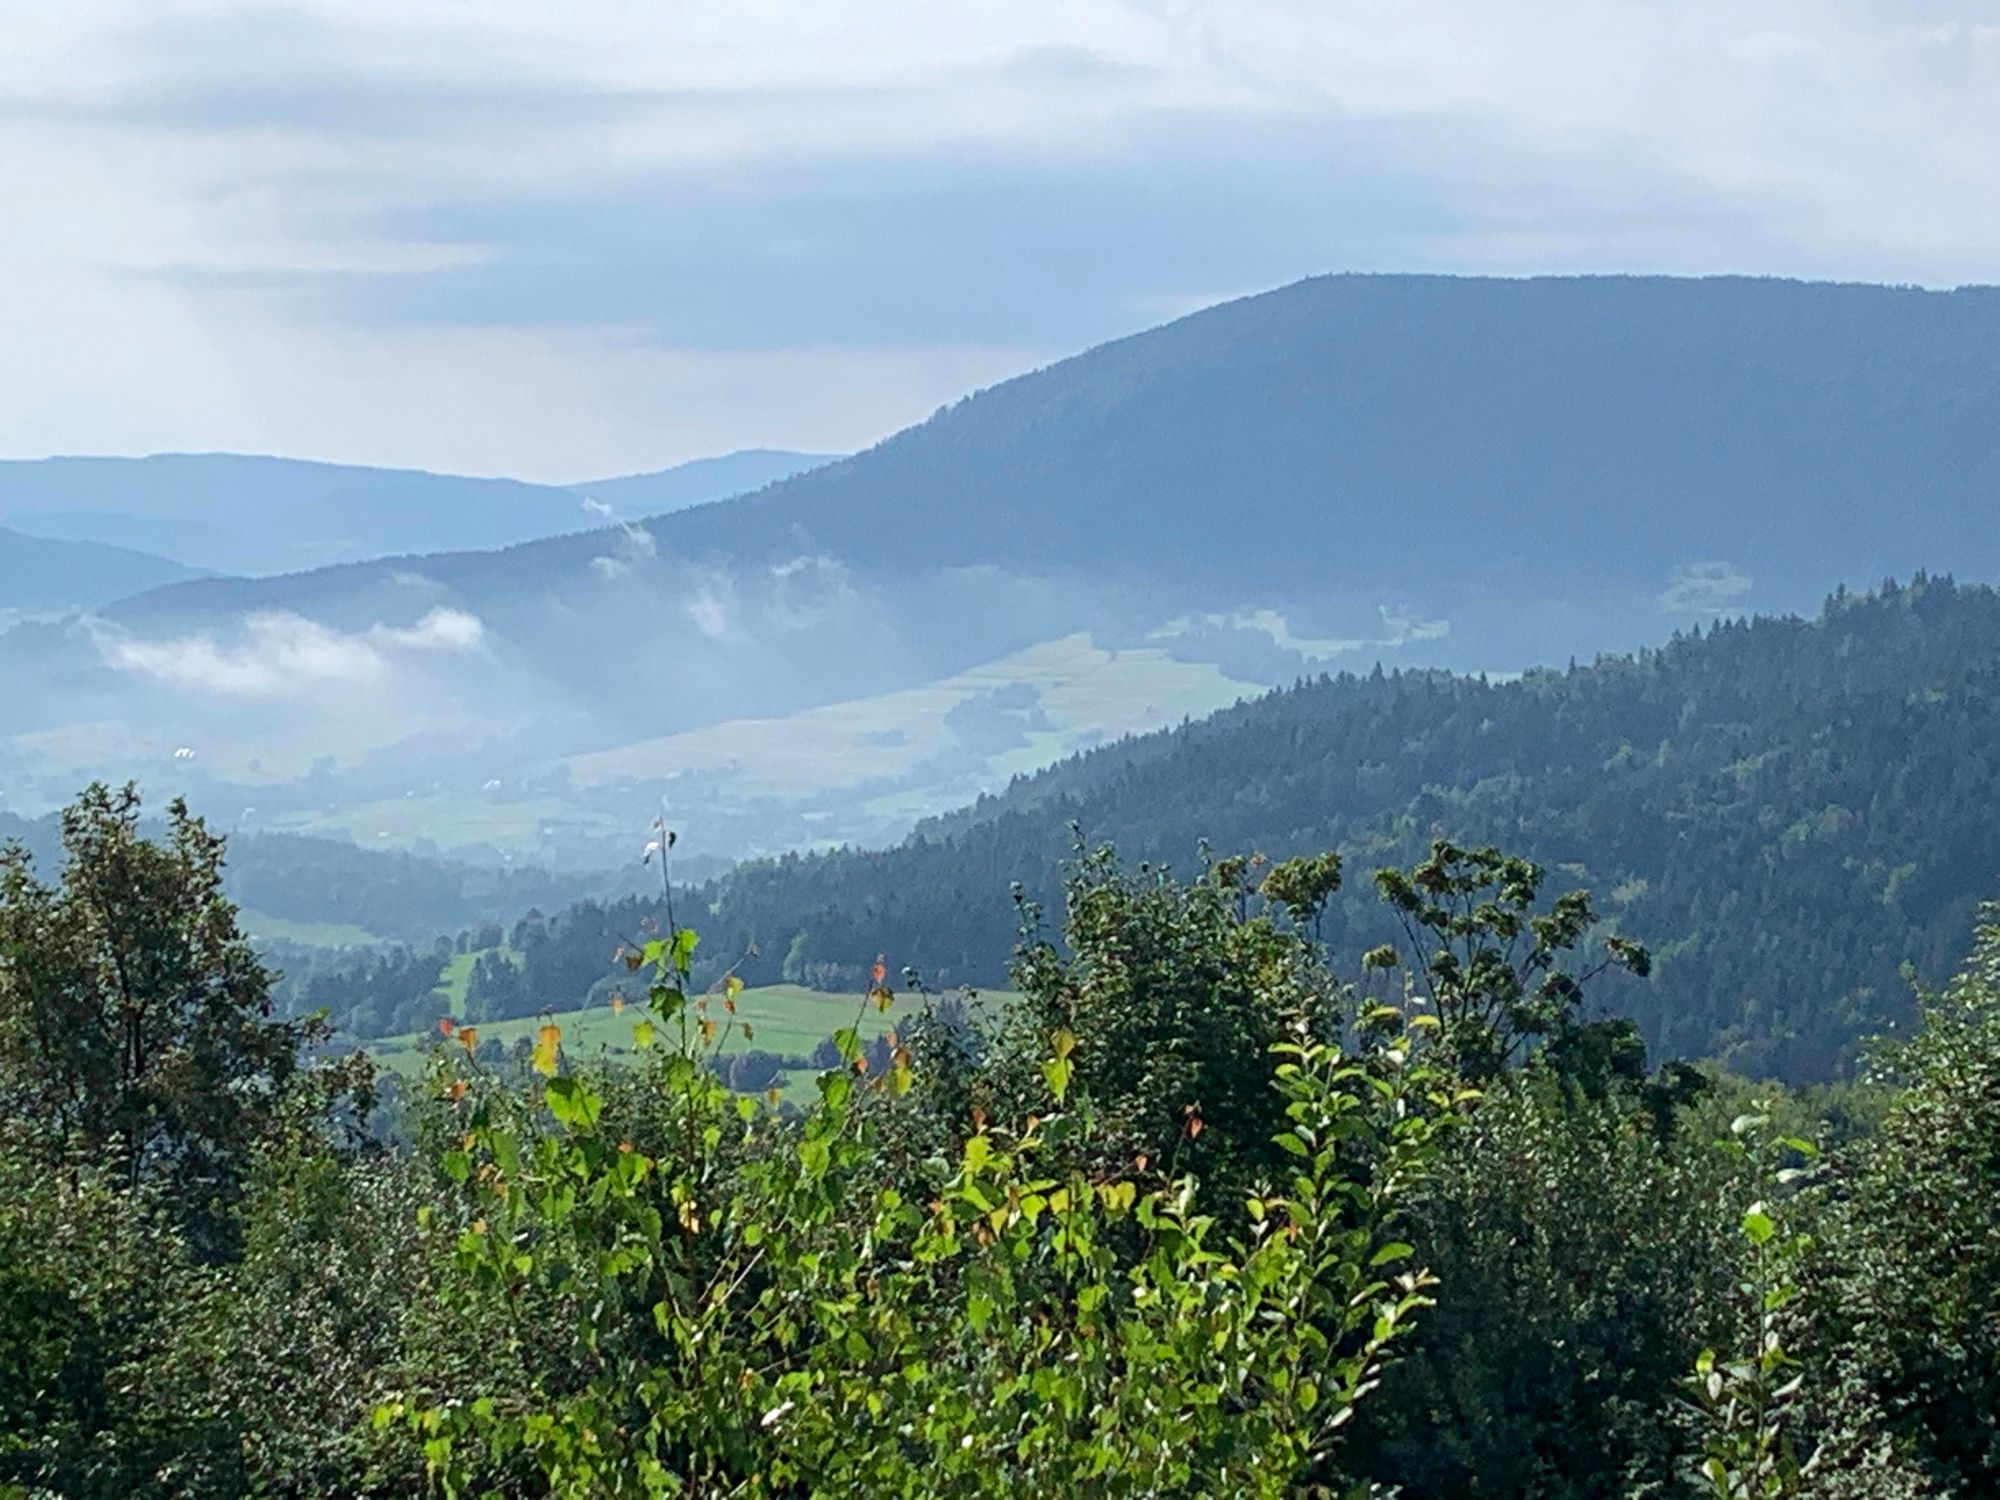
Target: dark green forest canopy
{"points": [[1789, 811]]}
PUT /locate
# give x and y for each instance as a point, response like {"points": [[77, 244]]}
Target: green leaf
{"points": [[1057, 1071], [978, 1152], [573, 1103]]}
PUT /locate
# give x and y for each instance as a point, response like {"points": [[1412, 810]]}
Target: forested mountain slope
{"points": [[1788, 810], [384, 895], [699, 481]]}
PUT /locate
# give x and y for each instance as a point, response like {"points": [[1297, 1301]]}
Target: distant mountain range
{"points": [[39, 574], [1571, 450], [1469, 473], [241, 514]]}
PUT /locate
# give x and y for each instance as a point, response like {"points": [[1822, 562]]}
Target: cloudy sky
{"points": [[564, 240]]}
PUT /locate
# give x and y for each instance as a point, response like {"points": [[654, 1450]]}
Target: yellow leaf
{"points": [[642, 1034], [708, 1029], [732, 986], [545, 1059]]}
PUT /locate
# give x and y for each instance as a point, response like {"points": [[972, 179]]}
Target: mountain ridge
{"points": [[1322, 363], [262, 514], [45, 573]]}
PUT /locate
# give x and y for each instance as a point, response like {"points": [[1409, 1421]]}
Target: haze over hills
{"points": [[245, 514], [38, 574], [1478, 474]]}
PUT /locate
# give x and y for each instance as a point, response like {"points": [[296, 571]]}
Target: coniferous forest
{"points": [[1791, 812]]}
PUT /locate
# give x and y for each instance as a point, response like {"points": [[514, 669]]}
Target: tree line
{"points": [[1824, 784]]}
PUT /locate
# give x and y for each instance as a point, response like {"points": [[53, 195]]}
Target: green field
{"points": [[458, 974], [257, 924], [784, 1018]]}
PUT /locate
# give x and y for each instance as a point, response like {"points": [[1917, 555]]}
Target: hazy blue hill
{"points": [[1425, 430], [37, 573], [1475, 475], [239, 513], [392, 896], [246, 514], [1542, 450], [699, 481]]}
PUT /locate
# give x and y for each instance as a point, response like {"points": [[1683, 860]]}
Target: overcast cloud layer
{"points": [[557, 240]]}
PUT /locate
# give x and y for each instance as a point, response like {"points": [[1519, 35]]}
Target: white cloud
{"points": [[279, 654], [1708, 588], [438, 630], [635, 544], [708, 612]]}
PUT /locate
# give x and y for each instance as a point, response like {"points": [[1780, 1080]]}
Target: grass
{"points": [[306, 934], [458, 975], [1084, 693], [787, 1019]]}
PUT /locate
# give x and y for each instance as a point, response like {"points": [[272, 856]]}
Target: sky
{"points": [[559, 241]]}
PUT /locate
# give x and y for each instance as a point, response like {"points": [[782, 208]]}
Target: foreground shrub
{"points": [[752, 1308]]}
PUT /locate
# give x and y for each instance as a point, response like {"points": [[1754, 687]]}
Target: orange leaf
{"points": [[617, 1004], [447, 1025], [468, 1037], [881, 970]]}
